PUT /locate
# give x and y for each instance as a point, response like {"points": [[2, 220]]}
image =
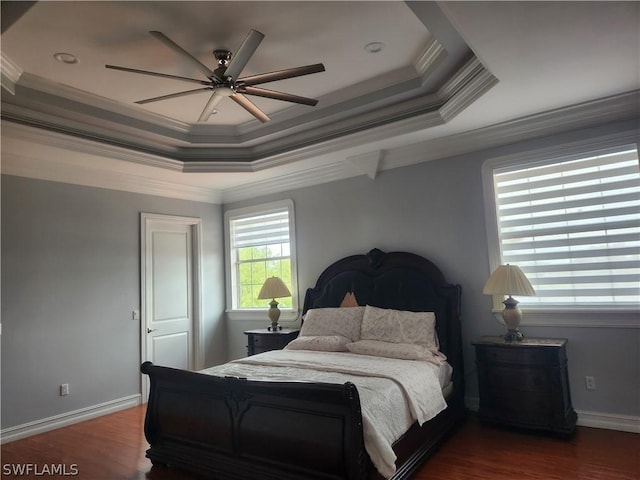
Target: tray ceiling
{"points": [[451, 78], [412, 74]]}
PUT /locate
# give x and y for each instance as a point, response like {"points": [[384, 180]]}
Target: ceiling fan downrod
{"points": [[223, 57]]}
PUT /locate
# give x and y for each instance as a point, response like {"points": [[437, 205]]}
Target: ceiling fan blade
{"points": [[248, 105], [281, 74], [156, 74], [181, 51], [171, 95], [211, 105], [244, 53], [287, 97]]}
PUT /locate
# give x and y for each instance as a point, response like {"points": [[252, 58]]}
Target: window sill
{"points": [[576, 317], [286, 316]]}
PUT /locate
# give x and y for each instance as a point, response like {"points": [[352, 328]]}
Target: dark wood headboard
{"points": [[398, 280]]}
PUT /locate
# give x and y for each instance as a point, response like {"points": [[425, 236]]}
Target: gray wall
{"points": [[70, 280], [436, 209]]}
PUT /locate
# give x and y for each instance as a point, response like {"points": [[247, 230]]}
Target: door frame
{"points": [[147, 220]]}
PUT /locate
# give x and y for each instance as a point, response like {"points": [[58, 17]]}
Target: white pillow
{"points": [[333, 321], [399, 326], [324, 343], [404, 351]]}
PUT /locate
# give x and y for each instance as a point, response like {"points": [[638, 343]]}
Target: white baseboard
{"points": [[69, 418], [608, 421]]}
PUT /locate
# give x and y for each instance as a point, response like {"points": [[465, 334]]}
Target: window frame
{"points": [[557, 315], [260, 313]]}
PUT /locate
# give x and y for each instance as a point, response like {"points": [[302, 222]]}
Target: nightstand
{"points": [[525, 383], [263, 340]]}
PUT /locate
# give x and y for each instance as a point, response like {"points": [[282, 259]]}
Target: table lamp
{"points": [[273, 288], [509, 280]]}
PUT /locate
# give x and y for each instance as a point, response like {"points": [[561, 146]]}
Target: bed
{"points": [[233, 427]]}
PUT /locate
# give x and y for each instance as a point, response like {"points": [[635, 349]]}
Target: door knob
{"points": [[149, 330]]}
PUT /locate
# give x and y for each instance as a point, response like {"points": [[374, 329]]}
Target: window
{"points": [[573, 225], [260, 244]]}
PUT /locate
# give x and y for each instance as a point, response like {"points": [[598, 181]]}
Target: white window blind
{"points": [[260, 243], [574, 228], [264, 229]]}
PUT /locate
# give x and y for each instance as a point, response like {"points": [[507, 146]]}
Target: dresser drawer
{"points": [[263, 340], [516, 407], [518, 356], [518, 378], [268, 340]]}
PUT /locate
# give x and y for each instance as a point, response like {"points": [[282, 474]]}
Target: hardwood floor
{"points": [[112, 448]]}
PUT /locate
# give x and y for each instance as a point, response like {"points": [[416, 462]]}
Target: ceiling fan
{"points": [[224, 81]]}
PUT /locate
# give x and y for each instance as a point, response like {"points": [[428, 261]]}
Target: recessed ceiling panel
{"points": [[296, 33]]}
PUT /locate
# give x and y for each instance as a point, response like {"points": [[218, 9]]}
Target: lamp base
{"points": [[513, 336], [274, 315], [512, 317]]}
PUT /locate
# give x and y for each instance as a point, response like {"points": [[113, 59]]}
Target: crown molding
{"points": [[10, 73], [589, 114], [86, 145], [54, 170], [465, 88], [597, 112], [367, 163], [432, 55], [306, 178], [390, 98]]}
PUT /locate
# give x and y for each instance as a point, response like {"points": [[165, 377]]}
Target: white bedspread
{"points": [[393, 393]]}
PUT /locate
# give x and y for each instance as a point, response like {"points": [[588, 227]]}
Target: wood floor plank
{"points": [[113, 447]]}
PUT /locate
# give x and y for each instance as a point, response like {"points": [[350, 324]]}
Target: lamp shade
{"points": [[508, 280], [273, 287]]}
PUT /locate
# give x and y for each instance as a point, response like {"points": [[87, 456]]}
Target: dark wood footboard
{"points": [[236, 429]]}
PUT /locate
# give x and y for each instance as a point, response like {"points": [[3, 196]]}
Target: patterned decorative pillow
{"points": [[323, 343], [404, 351], [333, 321], [399, 326]]}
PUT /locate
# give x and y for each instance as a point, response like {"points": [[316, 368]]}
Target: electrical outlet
{"points": [[64, 389], [590, 382]]}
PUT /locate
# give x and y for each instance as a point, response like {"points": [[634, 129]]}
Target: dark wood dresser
{"points": [[263, 340], [525, 383]]}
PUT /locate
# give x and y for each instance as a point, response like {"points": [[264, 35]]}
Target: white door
{"points": [[170, 292]]}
